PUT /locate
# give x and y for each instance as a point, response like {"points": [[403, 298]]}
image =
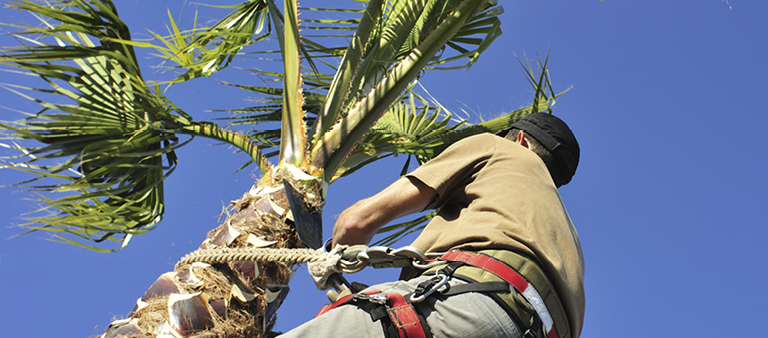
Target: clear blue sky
{"points": [[668, 101]]}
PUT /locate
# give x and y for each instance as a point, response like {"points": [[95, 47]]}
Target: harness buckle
{"points": [[376, 298], [531, 333]]}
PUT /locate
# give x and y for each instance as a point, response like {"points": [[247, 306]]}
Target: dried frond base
{"points": [[234, 299]]}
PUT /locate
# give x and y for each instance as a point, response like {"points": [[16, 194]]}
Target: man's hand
{"points": [[358, 223]]}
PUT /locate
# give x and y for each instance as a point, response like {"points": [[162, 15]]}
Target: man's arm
{"points": [[358, 223]]}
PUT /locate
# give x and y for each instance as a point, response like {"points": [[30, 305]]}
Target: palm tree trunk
{"points": [[236, 299]]}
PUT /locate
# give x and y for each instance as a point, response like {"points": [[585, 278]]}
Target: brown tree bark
{"points": [[235, 299]]}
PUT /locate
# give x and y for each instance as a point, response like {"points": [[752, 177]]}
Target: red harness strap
{"points": [[490, 264], [508, 274], [401, 313], [404, 317], [340, 301]]}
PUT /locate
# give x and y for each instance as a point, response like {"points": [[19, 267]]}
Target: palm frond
{"points": [[407, 24], [407, 122], [264, 120], [202, 51], [106, 140], [334, 147], [413, 127], [342, 83], [399, 231], [472, 40], [103, 153], [293, 128]]}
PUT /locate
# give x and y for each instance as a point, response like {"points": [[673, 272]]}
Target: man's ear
{"points": [[521, 140]]}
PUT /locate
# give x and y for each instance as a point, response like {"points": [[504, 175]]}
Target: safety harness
{"points": [[483, 273]]}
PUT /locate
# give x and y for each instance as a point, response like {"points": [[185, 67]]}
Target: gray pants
{"points": [[465, 315]]}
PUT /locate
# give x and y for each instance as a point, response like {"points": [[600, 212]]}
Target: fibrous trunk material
{"points": [[234, 299]]}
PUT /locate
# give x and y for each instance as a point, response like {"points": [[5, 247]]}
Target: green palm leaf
{"points": [[403, 19], [406, 122], [103, 153], [472, 39], [107, 152], [203, 51]]}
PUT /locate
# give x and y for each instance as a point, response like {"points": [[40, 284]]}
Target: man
{"points": [[498, 203]]}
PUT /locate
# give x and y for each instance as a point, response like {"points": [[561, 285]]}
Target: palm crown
{"points": [[114, 143]]}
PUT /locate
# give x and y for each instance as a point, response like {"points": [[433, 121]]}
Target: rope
{"points": [[223, 255], [284, 255]]}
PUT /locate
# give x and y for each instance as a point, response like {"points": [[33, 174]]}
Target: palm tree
{"points": [[105, 138]]}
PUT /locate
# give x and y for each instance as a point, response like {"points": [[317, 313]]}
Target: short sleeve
{"points": [[455, 164]]}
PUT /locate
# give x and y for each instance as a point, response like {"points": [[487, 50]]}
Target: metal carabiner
{"points": [[410, 252], [432, 286]]}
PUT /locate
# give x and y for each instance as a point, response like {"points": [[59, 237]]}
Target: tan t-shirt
{"points": [[497, 194]]}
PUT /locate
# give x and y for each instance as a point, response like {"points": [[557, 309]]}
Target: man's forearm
{"points": [[358, 223]]}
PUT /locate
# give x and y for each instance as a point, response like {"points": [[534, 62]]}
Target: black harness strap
{"points": [[476, 287]]}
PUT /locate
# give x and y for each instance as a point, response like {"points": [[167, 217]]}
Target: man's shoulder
{"points": [[482, 138], [484, 143], [489, 141]]}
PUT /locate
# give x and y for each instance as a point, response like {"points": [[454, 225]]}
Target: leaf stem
{"points": [[212, 130]]}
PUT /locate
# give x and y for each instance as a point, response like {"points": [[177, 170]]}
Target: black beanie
{"points": [[554, 135]]}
